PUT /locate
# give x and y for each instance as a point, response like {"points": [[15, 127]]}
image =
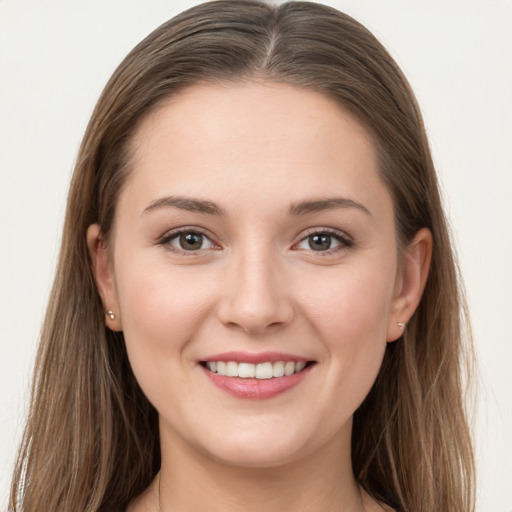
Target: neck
{"points": [[322, 481]]}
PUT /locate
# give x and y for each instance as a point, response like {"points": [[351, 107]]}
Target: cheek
{"points": [[351, 304], [350, 315], [161, 312]]}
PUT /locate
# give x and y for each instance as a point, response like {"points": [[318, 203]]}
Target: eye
{"points": [[189, 241], [324, 241]]}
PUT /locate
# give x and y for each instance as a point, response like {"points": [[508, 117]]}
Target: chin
{"points": [[262, 446], [269, 456]]}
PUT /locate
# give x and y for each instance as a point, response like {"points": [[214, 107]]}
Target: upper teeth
{"points": [[258, 371]]}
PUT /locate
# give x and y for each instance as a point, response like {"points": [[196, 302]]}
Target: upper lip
{"points": [[255, 358]]}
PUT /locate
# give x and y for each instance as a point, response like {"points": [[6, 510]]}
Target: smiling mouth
{"points": [[262, 371]]}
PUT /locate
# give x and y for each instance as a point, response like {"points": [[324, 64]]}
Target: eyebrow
{"points": [[331, 203], [209, 208], [188, 204]]}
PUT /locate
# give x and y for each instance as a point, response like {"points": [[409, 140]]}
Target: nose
{"points": [[256, 297]]}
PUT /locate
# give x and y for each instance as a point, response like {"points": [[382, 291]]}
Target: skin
{"points": [[256, 150]]}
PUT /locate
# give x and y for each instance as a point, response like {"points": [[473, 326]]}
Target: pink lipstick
{"points": [[256, 376]]}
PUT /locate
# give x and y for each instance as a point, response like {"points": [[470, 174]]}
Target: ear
{"points": [[104, 277], [410, 283]]}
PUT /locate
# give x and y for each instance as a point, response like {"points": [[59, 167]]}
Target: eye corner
{"points": [[198, 243], [323, 241]]}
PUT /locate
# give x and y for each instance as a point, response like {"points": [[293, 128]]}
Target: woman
{"points": [[256, 305]]}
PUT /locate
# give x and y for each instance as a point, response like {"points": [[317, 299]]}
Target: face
{"points": [[253, 271]]}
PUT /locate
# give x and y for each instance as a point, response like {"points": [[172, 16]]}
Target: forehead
{"points": [[249, 139], [279, 115]]}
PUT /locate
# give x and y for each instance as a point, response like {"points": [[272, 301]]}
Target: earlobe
{"points": [[411, 280], [103, 276]]}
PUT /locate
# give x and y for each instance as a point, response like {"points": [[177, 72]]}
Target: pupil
{"points": [[320, 242], [191, 241]]}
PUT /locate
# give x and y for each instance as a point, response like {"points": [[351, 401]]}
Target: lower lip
{"points": [[256, 389]]}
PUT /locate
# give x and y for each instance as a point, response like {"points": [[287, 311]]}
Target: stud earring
{"points": [[401, 325], [110, 313]]}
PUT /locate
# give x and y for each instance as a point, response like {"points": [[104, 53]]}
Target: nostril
{"points": [[255, 304]]}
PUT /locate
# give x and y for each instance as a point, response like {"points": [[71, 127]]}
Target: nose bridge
{"points": [[256, 297]]}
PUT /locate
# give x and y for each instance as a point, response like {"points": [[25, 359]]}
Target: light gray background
{"points": [[55, 57]]}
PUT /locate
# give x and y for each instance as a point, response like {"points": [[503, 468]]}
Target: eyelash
{"points": [[344, 241], [167, 238]]}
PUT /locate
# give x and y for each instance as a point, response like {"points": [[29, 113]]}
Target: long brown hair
{"points": [[91, 442]]}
